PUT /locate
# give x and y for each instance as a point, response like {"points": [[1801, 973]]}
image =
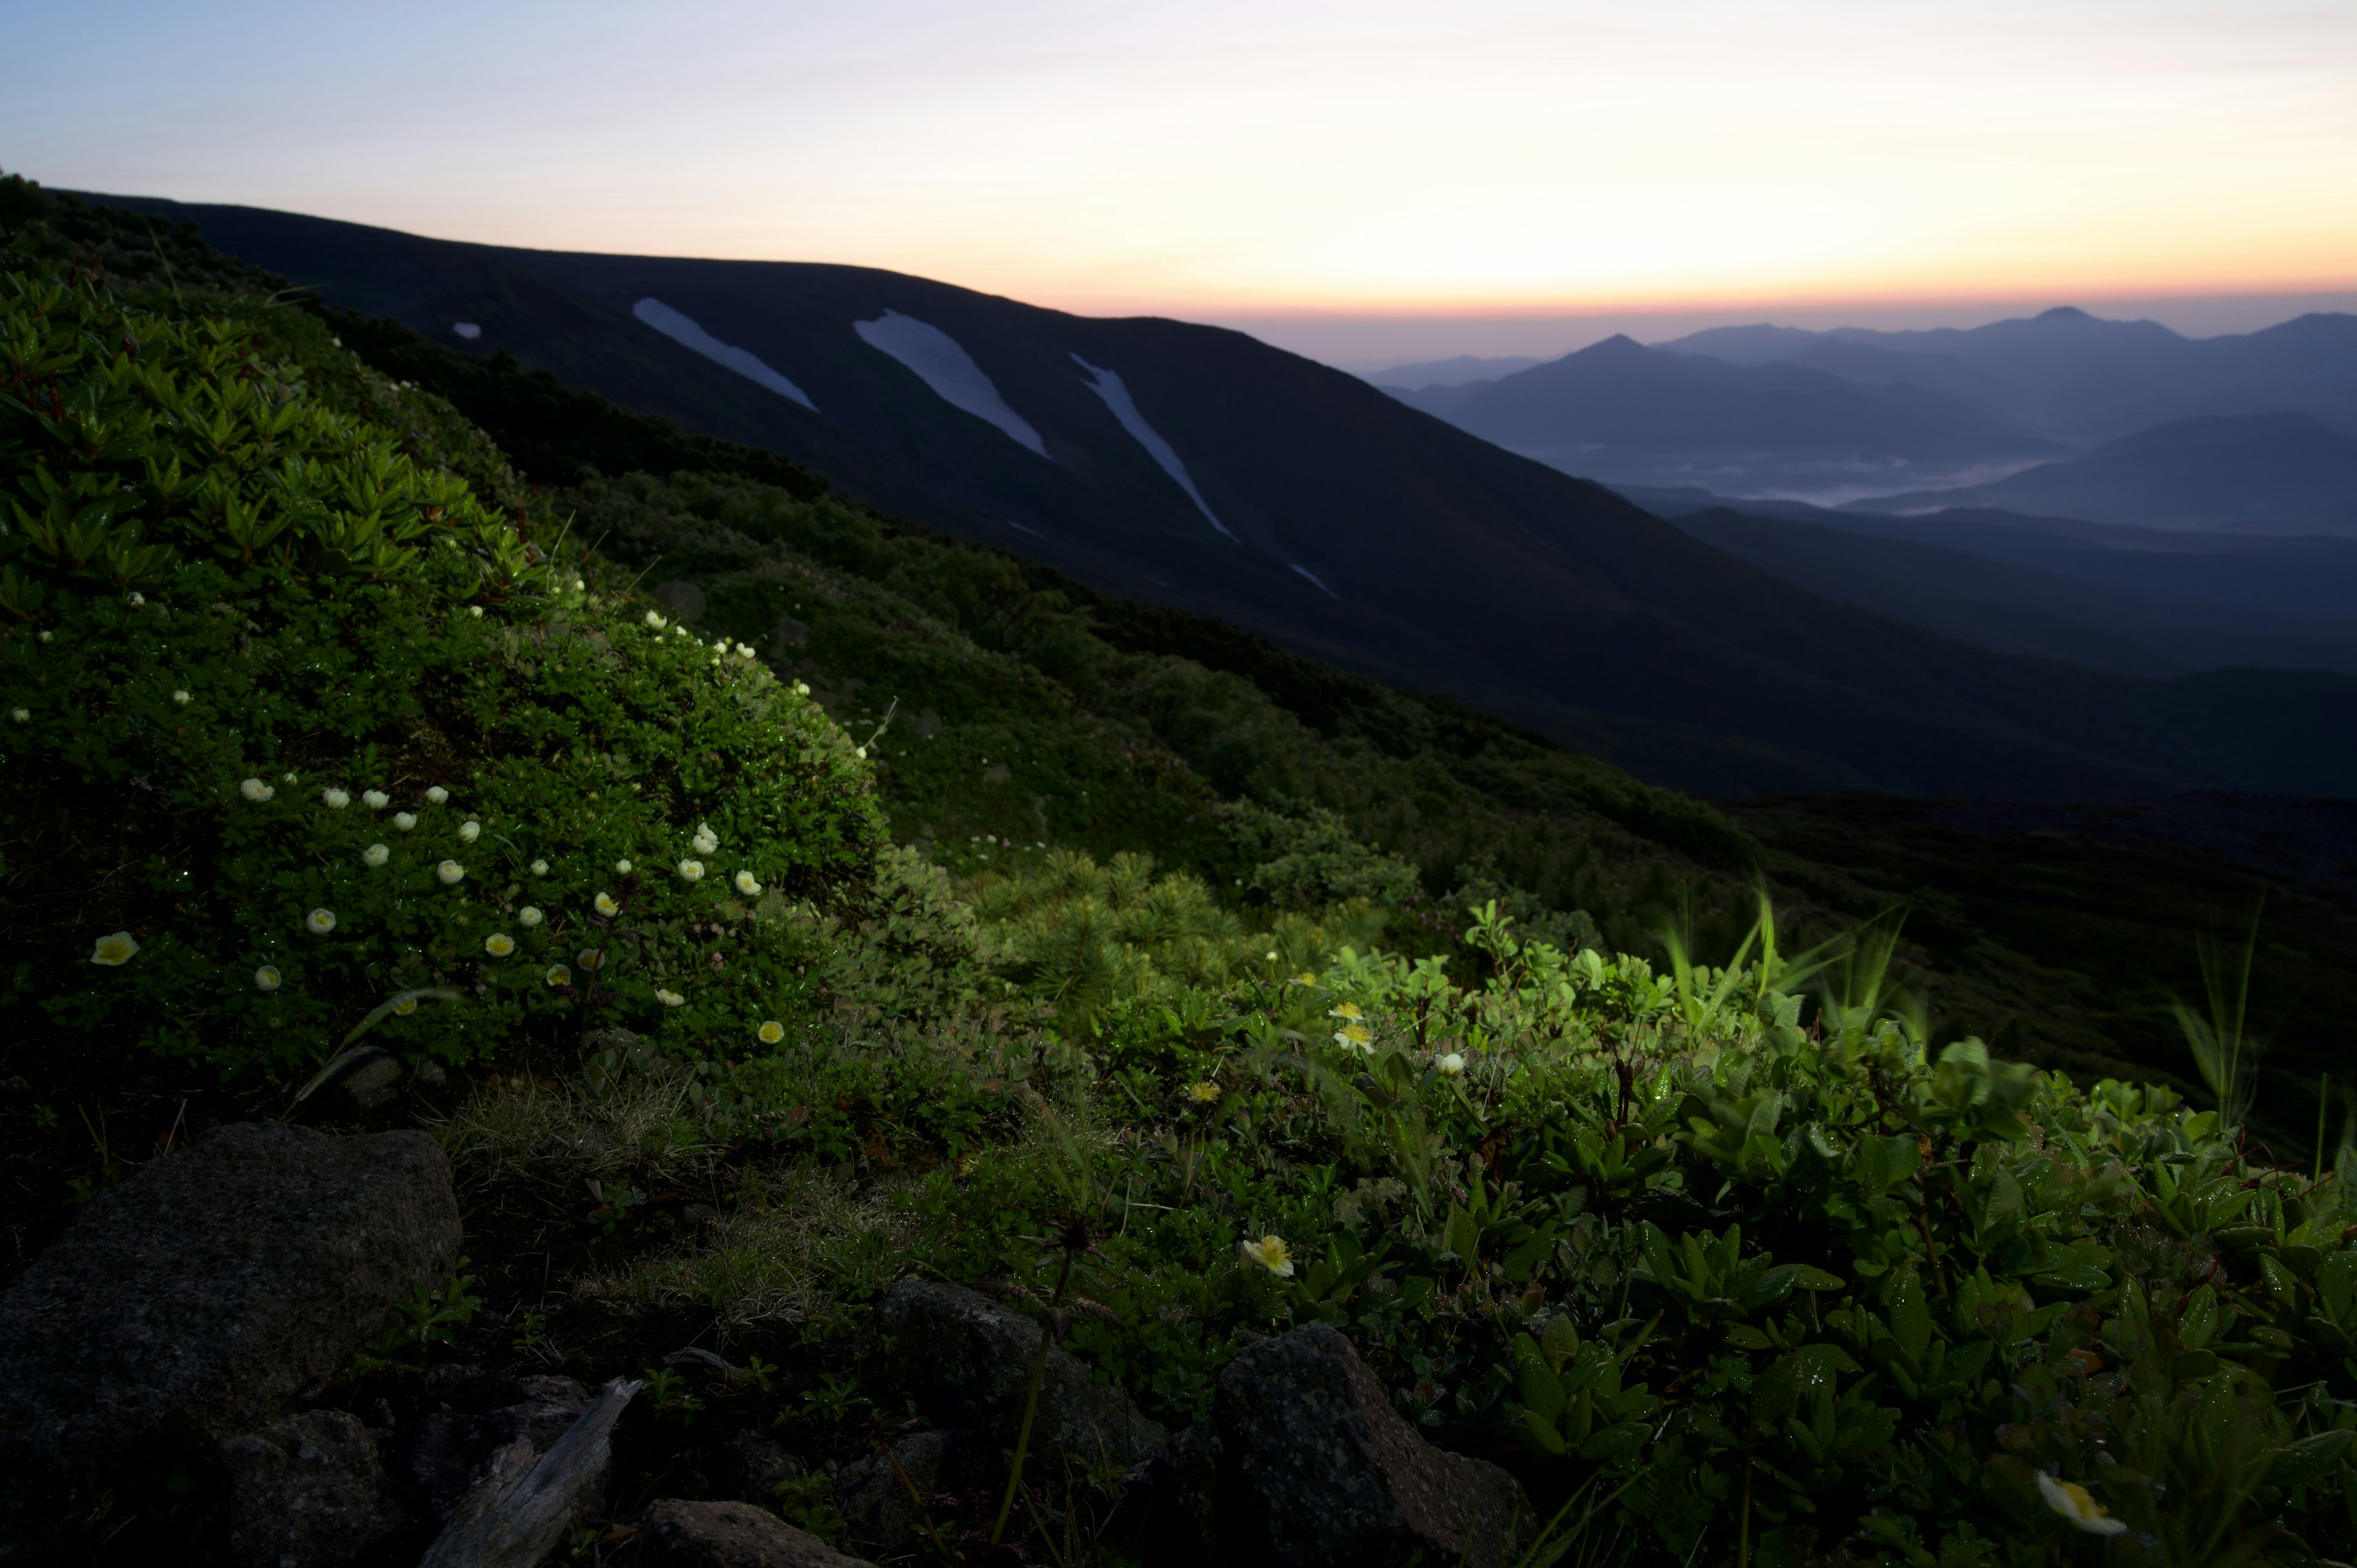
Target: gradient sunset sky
{"points": [[1457, 175]]}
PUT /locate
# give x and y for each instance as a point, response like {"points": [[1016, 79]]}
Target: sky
{"points": [[1355, 180]]}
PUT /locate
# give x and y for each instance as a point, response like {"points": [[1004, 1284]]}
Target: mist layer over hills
{"points": [[1198, 468]]}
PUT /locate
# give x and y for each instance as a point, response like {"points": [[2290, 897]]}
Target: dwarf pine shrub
{"points": [[300, 736]]}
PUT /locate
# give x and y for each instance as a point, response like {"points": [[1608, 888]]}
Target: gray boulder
{"points": [[677, 1535], [875, 1500], [754, 1469], [307, 1491], [1303, 1463], [967, 1362], [192, 1300]]}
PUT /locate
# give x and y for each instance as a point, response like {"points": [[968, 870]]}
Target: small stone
{"points": [[675, 1533], [788, 633], [307, 1492], [967, 1361], [875, 1500]]}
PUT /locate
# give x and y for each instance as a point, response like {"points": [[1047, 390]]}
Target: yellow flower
{"points": [[1452, 1064], [670, 998], [114, 949], [499, 944], [1304, 978], [605, 905], [691, 871], [747, 885], [319, 922], [559, 975], [266, 978], [770, 1033], [1271, 1253], [1355, 1037], [1204, 1093], [1348, 1011], [2071, 1500], [256, 790], [449, 871]]}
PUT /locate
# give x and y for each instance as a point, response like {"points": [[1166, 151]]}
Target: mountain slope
{"points": [[1324, 514], [2191, 473]]}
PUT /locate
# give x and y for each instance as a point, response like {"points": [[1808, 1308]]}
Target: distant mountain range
{"points": [[2132, 422], [1448, 372], [1198, 468]]}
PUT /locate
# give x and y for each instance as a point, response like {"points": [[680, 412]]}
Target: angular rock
{"points": [[677, 1535], [754, 1468], [1304, 1462], [193, 1299], [305, 1492], [875, 1500], [443, 1454], [967, 1362]]}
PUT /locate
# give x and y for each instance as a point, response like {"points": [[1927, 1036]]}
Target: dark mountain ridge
{"points": [[1200, 469]]}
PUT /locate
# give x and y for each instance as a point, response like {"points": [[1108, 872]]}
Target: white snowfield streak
{"points": [[683, 330], [949, 369], [1315, 578], [1108, 385]]}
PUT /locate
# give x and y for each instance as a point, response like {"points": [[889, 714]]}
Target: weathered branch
{"points": [[520, 1512]]}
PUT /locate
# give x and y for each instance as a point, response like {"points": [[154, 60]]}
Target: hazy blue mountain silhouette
{"points": [[2188, 473], [1324, 513]]}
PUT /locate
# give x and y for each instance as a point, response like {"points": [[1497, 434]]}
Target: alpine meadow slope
{"points": [[1328, 517]]}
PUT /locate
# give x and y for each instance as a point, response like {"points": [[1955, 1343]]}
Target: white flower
{"points": [[705, 841], [499, 944], [1271, 1253], [670, 998], [375, 799], [112, 950], [182, 698], [654, 620], [47, 635], [801, 688], [1355, 1037], [137, 598], [1272, 957], [475, 610], [744, 651], [770, 1033], [404, 820], [469, 832], [539, 868], [256, 790], [449, 871], [376, 854], [436, 795], [290, 776], [319, 922], [578, 585], [266, 978], [589, 958], [1452, 1064], [557, 974], [720, 644], [335, 800], [403, 1006], [691, 871], [1348, 1012], [530, 917], [746, 884], [604, 904], [680, 629], [622, 867], [20, 715], [2071, 1500], [862, 750]]}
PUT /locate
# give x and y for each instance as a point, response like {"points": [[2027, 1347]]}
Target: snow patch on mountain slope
{"points": [[1315, 578], [1108, 386], [683, 329], [949, 369]]}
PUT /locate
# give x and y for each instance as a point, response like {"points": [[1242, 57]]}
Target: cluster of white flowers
{"points": [[705, 841]]}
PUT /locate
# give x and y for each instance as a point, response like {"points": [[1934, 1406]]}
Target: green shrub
{"points": [[334, 744]]}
